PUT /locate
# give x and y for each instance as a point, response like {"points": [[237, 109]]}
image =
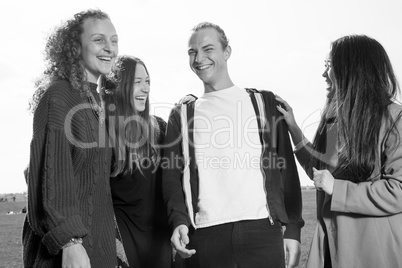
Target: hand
{"points": [[180, 240], [75, 256], [292, 252], [323, 180], [187, 98], [287, 112]]}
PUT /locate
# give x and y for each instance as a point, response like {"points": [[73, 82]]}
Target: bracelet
{"points": [[73, 241]]}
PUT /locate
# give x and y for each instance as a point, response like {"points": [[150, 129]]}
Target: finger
{"points": [[280, 109], [184, 237], [317, 172], [175, 242], [278, 98], [186, 99], [283, 102], [186, 253], [317, 177], [292, 260], [286, 255], [181, 249]]}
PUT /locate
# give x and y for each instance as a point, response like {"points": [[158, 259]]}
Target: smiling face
{"points": [[207, 57], [141, 88], [329, 75], [99, 47]]}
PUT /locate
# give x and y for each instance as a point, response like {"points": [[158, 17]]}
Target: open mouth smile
{"points": [[141, 98], [203, 67], [103, 58]]}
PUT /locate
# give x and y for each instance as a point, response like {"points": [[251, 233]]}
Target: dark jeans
{"points": [[243, 244]]}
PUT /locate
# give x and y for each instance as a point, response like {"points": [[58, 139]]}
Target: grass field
{"points": [[309, 216], [11, 226], [10, 234]]}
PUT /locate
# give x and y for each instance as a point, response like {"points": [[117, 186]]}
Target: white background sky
{"points": [[276, 45]]}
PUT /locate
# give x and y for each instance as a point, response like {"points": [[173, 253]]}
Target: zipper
{"points": [[262, 123], [265, 188]]}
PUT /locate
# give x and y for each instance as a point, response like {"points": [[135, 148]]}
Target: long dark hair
{"points": [[133, 134], [365, 85], [63, 55]]}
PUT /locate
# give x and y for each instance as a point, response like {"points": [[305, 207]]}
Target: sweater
{"points": [[68, 181]]}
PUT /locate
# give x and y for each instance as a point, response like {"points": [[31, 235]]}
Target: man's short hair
{"points": [[204, 25]]}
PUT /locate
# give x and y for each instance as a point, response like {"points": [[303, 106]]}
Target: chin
{"points": [[330, 93]]}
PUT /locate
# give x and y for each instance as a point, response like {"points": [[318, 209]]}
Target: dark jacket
{"points": [[278, 166]]}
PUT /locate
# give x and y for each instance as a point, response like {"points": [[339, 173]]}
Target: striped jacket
{"points": [[281, 181]]}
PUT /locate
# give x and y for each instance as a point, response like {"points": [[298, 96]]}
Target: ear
{"points": [[227, 52]]}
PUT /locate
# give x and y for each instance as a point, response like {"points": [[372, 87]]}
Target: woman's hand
{"points": [[287, 112], [187, 98], [75, 256], [324, 181]]}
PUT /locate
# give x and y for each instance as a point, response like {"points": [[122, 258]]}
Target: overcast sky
{"points": [[276, 45]]}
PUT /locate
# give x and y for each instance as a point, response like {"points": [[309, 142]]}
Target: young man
{"points": [[243, 184]]}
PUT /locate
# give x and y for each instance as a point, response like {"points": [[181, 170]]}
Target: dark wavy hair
{"points": [[132, 133], [63, 55], [365, 85]]}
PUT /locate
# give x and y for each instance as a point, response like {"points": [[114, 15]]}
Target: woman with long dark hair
{"points": [[136, 182], [356, 159]]}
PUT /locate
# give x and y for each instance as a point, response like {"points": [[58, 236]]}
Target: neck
{"points": [[222, 84], [99, 89]]}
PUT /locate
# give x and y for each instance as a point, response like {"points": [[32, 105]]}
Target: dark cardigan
{"points": [[68, 181]]}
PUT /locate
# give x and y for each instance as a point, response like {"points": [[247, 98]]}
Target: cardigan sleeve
{"points": [[52, 200], [172, 168], [291, 181], [379, 196]]}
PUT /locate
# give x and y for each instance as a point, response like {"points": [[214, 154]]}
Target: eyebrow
{"points": [[207, 46], [115, 35], [204, 47]]}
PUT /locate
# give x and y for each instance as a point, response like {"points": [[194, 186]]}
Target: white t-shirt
{"points": [[228, 152]]}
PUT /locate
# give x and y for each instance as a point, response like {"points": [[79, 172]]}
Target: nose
{"points": [[199, 57], [325, 73], [108, 46], [145, 88]]}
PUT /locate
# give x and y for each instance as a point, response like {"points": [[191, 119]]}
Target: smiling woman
{"points": [[136, 177], [99, 47], [70, 214]]}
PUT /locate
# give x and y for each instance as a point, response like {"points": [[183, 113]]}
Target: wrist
{"points": [[73, 241], [296, 134]]}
